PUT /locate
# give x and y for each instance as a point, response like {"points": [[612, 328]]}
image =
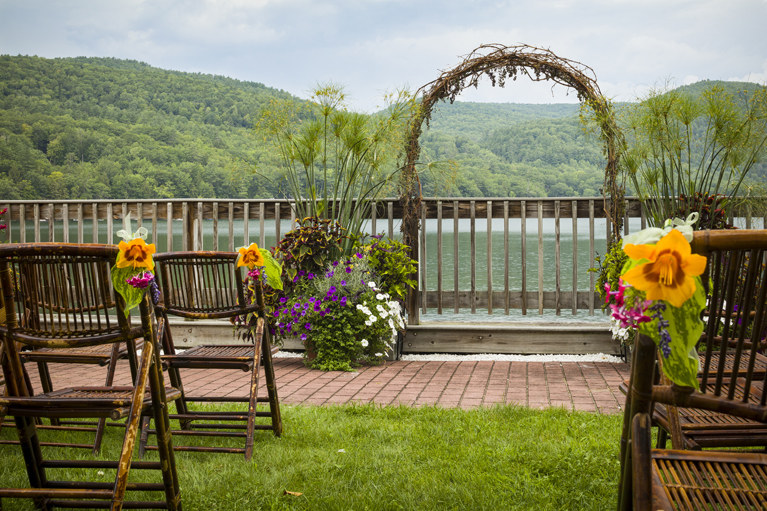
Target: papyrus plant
{"points": [[679, 145], [336, 161]]}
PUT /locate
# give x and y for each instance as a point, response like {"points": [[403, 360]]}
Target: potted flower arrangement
{"points": [[341, 315], [346, 310]]}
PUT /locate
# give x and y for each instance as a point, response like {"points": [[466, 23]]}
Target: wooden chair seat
{"points": [[760, 363], [112, 402], [710, 480], [225, 356], [99, 354]]}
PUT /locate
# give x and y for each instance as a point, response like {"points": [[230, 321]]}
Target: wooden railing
{"points": [[475, 255]]}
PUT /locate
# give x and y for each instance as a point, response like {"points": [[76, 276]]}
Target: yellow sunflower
{"points": [[250, 256], [136, 254], [668, 274]]}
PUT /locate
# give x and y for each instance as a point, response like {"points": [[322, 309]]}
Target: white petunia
{"points": [[372, 284], [379, 354], [368, 323], [379, 296], [364, 343]]}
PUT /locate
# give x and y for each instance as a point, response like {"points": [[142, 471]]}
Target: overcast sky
{"points": [[376, 46]]}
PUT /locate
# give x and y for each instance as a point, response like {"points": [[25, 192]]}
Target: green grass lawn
{"points": [[359, 457]]}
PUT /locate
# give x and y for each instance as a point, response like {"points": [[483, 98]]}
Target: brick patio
{"points": [[585, 386]]}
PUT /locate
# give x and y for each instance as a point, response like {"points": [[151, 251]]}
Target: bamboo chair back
{"points": [[63, 296], [736, 313], [202, 285]]}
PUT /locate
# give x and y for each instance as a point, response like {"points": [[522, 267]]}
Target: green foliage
{"points": [[710, 208], [335, 161], [609, 270], [513, 155], [679, 145], [309, 247], [106, 128], [131, 295], [87, 128], [272, 269], [389, 260]]}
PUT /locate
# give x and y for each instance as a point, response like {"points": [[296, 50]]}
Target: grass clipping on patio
{"points": [[369, 457]]}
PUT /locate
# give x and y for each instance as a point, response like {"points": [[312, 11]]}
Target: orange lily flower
{"points": [[136, 254], [250, 256], [668, 273]]}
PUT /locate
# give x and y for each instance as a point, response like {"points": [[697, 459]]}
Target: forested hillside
{"points": [[96, 128], [83, 128]]}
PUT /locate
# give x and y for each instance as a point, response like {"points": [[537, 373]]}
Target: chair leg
{"points": [[253, 395], [30, 449], [144, 438], [271, 384], [662, 438], [132, 425], [47, 386], [111, 368], [174, 374], [164, 439]]}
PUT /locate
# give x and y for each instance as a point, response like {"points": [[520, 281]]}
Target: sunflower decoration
{"points": [[133, 271], [661, 294], [260, 262]]}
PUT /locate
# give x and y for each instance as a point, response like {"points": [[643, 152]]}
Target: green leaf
{"points": [[273, 269], [685, 329], [130, 294]]}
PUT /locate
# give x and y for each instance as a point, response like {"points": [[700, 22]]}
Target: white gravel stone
{"points": [[436, 357], [593, 357]]}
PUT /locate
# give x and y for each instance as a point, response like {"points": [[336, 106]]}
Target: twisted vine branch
{"points": [[499, 63]]}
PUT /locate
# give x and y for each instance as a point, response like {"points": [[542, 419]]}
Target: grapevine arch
{"points": [[500, 63]]}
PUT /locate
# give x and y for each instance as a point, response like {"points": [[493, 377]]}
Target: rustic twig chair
{"points": [[209, 285], [731, 403], [77, 277]]}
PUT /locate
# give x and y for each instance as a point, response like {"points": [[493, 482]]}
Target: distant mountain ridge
{"points": [[87, 127]]}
